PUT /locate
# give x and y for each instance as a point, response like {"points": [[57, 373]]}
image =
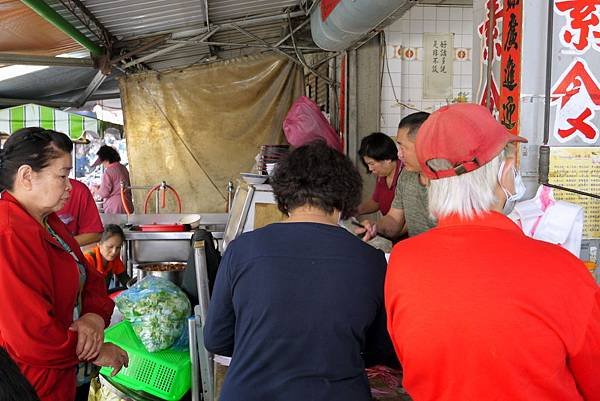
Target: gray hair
{"points": [[468, 194]]}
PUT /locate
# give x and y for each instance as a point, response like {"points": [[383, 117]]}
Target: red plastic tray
{"points": [[161, 227]]}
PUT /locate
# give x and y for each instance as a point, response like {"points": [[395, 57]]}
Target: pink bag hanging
{"points": [[305, 123]]}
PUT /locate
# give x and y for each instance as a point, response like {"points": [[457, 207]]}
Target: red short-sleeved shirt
{"points": [[80, 213], [383, 194]]}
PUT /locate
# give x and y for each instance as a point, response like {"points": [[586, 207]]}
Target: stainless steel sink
{"points": [[144, 247]]}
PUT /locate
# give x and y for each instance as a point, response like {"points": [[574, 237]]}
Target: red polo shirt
{"points": [[478, 311], [80, 213], [383, 194]]}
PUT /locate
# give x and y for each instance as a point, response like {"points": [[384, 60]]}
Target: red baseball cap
{"points": [[464, 134]]}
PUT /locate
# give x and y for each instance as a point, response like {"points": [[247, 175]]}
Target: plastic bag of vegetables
{"points": [[157, 310]]}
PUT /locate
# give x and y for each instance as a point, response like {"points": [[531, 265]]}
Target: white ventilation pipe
{"points": [[349, 21]]}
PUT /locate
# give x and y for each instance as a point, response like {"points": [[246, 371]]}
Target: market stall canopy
{"points": [[33, 115], [145, 35], [24, 32]]}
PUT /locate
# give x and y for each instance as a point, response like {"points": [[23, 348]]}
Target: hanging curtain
{"points": [[200, 127]]}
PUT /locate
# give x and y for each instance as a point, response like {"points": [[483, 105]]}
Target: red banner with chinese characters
{"points": [[510, 66], [575, 93], [327, 7]]}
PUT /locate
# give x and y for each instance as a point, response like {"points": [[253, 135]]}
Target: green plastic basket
{"points": [[165, 374]]}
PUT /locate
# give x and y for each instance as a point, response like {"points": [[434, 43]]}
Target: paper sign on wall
{"points": [[437, 66], [578, 168]]}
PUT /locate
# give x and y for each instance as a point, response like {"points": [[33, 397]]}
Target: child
{"points": [[105, 257]]}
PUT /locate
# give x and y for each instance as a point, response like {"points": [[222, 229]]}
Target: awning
{"points": [[33, 115], [25, 32]]}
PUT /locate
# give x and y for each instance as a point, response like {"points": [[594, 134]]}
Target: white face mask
{"points": [[520, 189]]}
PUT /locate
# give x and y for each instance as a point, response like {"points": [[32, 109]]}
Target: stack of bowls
{"points": [[270, 155]]}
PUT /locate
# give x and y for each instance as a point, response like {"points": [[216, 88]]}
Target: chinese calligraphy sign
{"points": [[510, 70], [492, 88], [582, 29], [576, 96], [437, 65], [576, 93], [484, 32], [489, 31]]}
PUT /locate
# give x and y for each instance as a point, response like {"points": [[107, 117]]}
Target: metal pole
{"points": [[169, 49], [575, 191], [227, 26], [292, 32], [157, 201], [206, 361], [490, 47], [201, 278], [91, 88], [243, 45], [206, 14], [549, 44], [544, 151], [22, 59], [230, 190], [155, 42], [193, 345]]}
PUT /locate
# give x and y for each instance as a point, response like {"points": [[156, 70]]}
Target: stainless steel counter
{"points": [[144, 246], [165, 236], [206, 219]]}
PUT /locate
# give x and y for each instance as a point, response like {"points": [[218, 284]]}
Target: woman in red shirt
{"points": [[54, 307], [379, 154]]}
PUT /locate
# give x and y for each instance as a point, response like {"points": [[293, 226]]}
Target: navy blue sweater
{"points": [[299, 307]]}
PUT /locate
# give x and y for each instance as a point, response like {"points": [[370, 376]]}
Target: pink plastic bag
{"points": [[305, 123]]}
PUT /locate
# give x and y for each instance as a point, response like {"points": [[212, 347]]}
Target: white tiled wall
{"points": [[407, 75]]}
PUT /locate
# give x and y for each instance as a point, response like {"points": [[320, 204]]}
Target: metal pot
{"points": [[172, 271]]}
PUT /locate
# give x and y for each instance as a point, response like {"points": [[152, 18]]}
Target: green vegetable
{"points": [[158, 311]]}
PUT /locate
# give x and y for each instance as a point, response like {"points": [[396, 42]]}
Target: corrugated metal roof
{"points": [[197, 52], [131, 18], [271, 33], [222, 10], [126, 19]]}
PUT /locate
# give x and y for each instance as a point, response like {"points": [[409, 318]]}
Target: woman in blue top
{"points": [[299, 305]]}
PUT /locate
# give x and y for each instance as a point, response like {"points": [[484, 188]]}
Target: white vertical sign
{"points": [[437, 66]]}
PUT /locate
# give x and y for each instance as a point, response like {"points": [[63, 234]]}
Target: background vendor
{"points": [[80, 215], [115, 173], [409, 213], [105, 256], [379, 154]]}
